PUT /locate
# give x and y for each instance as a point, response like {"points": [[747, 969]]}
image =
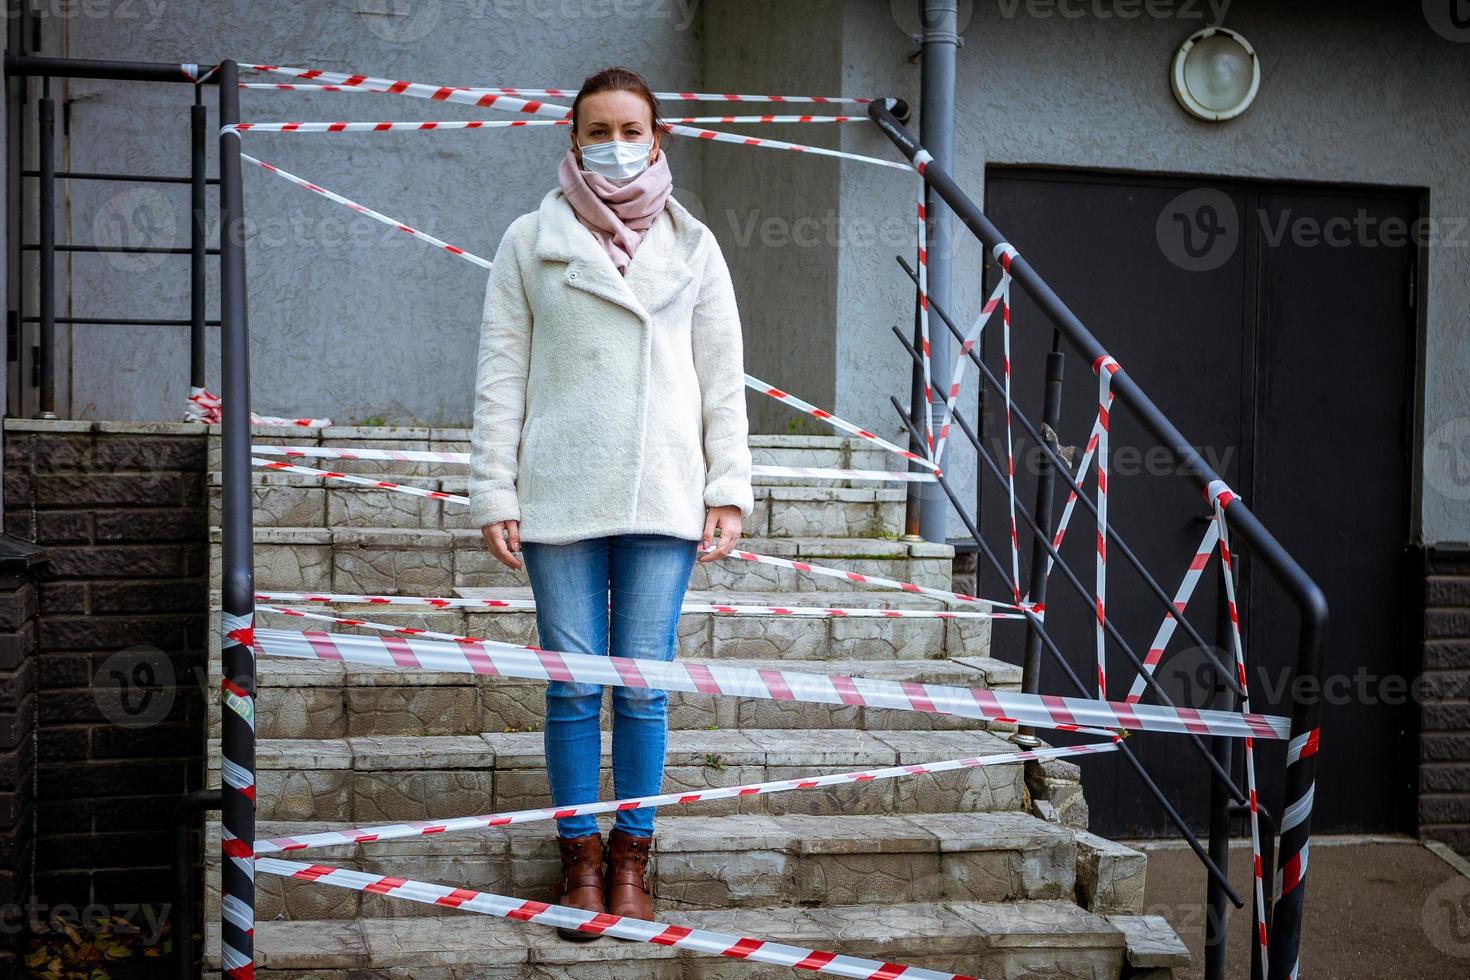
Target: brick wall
{"points": [[122, 613], [1444, 760], [19, 561]]}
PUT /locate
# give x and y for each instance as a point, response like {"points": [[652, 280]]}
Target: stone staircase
{"points": [[988, 872]]}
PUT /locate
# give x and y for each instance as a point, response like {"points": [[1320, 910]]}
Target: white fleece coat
{"points": [[604, 404]]}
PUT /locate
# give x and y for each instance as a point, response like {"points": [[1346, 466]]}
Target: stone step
{"points": [[326, 699], [712, 636], [411, 561], [710, 862], [983, 939], [828, 452], [291, 500], [377, 779]]}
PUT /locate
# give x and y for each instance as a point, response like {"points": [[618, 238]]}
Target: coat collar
{"points": [[660, 269]]}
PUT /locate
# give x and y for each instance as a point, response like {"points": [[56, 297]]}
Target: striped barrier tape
{"points": [[715, 608], [1077, 477], [1220, 495], [880, 582], [426, 126], [369, 212], [363, 481], [798, 566], [440, 456], [425, 828], [490, 658], [786, 398], [601, 923], [561, 93], [204, 407], [497, 100], [1004, 252], [924, 353], [1105, 367], [962, 359], [1181, 601]]}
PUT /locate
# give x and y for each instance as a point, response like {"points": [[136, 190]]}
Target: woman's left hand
{"points": [[727, 520]]}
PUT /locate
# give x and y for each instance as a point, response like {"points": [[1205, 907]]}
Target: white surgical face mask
{"points": [[616, 159]]}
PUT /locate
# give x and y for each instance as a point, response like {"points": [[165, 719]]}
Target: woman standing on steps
{"points": [[609, 447]]}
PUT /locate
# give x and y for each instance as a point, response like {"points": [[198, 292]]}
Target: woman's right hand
{"points": [[503, 538]]}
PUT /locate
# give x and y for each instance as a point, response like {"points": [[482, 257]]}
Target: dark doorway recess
{"points": [[1274, 324]]}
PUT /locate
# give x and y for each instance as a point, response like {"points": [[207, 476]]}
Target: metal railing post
{"points": [[1051, 413], [237, 695], [198, 245], [46, 258]]}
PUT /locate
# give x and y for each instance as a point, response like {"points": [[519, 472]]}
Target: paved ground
{"points": [[1376, 907]]}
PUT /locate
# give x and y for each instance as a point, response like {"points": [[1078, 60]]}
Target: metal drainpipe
{"points": [[939, 41]]}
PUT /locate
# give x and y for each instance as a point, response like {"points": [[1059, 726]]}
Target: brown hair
{"points": [[617, 79]]}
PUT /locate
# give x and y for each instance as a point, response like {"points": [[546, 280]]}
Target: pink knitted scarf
{"points": [[618, 215]]}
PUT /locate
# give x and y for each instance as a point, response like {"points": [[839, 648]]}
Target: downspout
{"points": [[939, 42]]}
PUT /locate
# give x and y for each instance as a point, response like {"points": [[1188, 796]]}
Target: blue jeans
{"points": [[644, 577]]}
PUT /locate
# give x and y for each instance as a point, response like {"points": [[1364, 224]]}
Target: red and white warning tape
{"points": [[962, 360], [426, 126], [365, 481], [601, 923], [498, 100], [786, 398], [924, 352], [369, 212], [799, 566], [1181, 601], [1004, 252], [1105, 366], [439, 456], [491, 658], [204, 406], [425, 828], [561, 93], [1219, 496], [390, 126], [715, 608], [1077, 477]]}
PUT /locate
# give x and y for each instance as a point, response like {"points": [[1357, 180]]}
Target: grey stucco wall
{"points": [[1352, 92], [351, 321], [349, 318]]}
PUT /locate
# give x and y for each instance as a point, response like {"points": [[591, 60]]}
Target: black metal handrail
{"points": [[1286, 913], [46, 174]]}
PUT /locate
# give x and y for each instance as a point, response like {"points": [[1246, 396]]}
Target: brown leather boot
{"points": [[581, 880], [627, 888]]}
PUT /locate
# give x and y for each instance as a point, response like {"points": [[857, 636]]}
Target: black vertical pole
{"points": [[1217, 915], [198, 188], [46, 257], [237, 694], [1051, 412]]}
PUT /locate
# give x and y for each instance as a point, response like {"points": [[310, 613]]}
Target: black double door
{"points": [[1273, 324]]}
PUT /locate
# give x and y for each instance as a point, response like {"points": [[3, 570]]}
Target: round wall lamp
{"points": [[1216, 74]]}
